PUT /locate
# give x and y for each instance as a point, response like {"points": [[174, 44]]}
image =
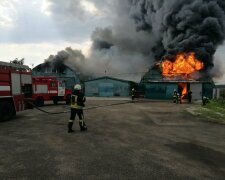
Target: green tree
{"points": [[17, 61]]}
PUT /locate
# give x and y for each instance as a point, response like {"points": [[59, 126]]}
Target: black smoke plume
{"points": [[59, 62], [140, 32], [182, 26]]}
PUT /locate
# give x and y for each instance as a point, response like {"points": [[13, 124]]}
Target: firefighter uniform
{"points": [[133, 94], [77, 104], [189, 96], [205, 100], [178, 98], [174, 96]]}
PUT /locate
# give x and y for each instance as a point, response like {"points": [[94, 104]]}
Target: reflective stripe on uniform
{"points": [[74, 104], [82, 122], [70, 120]]}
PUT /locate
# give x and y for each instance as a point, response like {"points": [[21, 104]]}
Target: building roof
{"points": [[155, 75], [220, 86], [107, 77], [49, 67]]}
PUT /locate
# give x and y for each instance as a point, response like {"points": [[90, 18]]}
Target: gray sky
{"points": [[35, 29]]}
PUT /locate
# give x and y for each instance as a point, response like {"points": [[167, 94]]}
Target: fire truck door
{"points": [[16, 84], [61, 88]]}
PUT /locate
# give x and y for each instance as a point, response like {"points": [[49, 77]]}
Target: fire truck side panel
{"points": [[48, 88], [15, 81], [61, 89], [19, 102], [5, 88], [40, 89], [53, 88], [26, 79], [5, 77]]}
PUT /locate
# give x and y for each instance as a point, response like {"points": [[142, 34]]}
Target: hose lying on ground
{"points": [[87, 108]]}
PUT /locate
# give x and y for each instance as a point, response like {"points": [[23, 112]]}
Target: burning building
{"points": [[62, 71], [185, 36], [183, 74]]}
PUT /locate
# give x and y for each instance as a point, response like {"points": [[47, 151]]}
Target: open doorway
{"points": [[183, 89]]}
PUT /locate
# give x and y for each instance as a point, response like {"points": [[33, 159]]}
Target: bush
{"points": [[222, 95]]}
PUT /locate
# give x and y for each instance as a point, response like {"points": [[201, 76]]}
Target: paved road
{"points": [[143, 140]]}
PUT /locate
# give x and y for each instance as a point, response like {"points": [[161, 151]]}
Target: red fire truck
{"points": [[15, 89], [46, 88]]}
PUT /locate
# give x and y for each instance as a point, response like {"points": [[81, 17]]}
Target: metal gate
{"points": [[196, 91], [105, 89]]}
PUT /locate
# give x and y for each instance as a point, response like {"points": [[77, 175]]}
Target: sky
{"points": [[35, 29]]}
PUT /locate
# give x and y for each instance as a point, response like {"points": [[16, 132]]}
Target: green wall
{"points": [[107, 87], [164, 90], [160, 90], [207, 90]]}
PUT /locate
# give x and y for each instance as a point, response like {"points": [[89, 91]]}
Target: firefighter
{"points": [[132, 94], [189, 96], [174, 96], [205, 100], [178, 99], [77, 104]]}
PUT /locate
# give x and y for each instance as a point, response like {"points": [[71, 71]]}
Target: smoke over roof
{"points": [[145, 31], [182, 26]]}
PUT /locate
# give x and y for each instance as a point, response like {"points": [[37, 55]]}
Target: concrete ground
{"points": [[141, 140]]}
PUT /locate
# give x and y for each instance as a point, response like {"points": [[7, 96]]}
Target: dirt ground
{"points": [[141, 140]]}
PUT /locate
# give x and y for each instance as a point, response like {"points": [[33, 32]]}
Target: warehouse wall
{"points": [[107, 87], [68, 75], [164, 90], [207, 90], [160, 90]]}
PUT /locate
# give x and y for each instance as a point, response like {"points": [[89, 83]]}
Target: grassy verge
{"points": [[213, 111]]}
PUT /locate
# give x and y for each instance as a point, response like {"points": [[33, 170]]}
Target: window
{"points": [[53, 84]]}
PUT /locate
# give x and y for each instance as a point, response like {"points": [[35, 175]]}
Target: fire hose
{"points": [[87, 108]]}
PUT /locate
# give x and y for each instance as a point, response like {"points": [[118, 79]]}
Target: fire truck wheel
{"points": [[55, 101], [39, 101], [7, 111]]}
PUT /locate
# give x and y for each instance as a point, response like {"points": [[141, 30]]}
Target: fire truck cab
{"points": [[15, 89], [47, 88]]}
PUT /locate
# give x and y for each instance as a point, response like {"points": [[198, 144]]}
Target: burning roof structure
{"points": [[59, 70], [184, 73], [66, 64]]}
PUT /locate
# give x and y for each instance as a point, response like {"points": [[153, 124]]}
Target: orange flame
{"points": [[184, 64], [184, 89]]}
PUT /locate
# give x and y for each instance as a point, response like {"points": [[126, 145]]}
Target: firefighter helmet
{"points": [[77, 87]]}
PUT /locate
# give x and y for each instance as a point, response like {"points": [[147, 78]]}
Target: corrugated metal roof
{"points": [[107, 77]]}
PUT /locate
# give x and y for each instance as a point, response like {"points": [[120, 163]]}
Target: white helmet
{"points": [[77, 87]]}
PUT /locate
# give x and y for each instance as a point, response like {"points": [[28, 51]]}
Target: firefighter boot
{"points": [[82, 125], [70, 125]]}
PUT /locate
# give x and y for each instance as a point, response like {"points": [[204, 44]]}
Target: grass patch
{"points": [[217, 105], [213, 111]]}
